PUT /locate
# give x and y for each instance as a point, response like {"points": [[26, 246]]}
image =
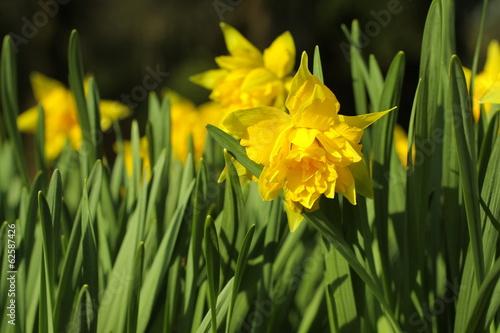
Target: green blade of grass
{"points": [[8, 94], [40, 140], [88, 249], [200, 208], [234, 147], [487, 146], [93, 103], [357, 68], [319, 221], [45, 309], [486, 302], [82, 318], [211, 251], [238, 273], [340, 290], [466, 147], [135, 289], [221, 309], [151, 287], [70, 267], [232, 220], [76, 78], [48, 241]]}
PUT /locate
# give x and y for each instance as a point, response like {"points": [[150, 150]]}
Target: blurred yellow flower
{"points": [[143, 154], [247, 78], [307, 152], [486, 83], [61, 118], [401, 144], [188, 119]]}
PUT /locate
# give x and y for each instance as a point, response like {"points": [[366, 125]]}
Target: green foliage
{"points": [[169, 249]]}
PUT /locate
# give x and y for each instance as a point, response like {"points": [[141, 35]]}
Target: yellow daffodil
{"points": [[307, 152], [248, 78], [188, 119], [487, 83], [401, 144], [143, 153], [61, 118]]}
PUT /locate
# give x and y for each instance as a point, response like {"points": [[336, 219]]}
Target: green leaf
{"points": [[151, 286], [8, 94], [223, 301], [357, 68], [334, 236], [200, 208], [487, 146], [93, 103], [83, 317], [211, 251], [466, 147], [40, 139], [45, 308], [485, 300], [340, 290], [135, 289], [48, 240], [234, 147], [89, 254], [71, 266], [76, 78], [54, 198], [240, 268]]}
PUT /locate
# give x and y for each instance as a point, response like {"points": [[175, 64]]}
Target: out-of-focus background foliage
{"points": [[122, 38]]}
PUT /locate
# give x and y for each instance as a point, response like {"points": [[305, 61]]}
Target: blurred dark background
{"points": [[122, 39]]}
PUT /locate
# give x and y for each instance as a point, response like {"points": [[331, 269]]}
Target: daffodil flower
{"points": [[308, 152], [487, 83], [61, 118], [189, 119], [248, 78]]}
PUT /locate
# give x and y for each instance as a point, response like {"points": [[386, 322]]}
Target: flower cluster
{"points": [[308, 152], [248, 78]]}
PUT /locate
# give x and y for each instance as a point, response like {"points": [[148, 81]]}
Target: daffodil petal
{"points": [[280, 56], [259, 78], [271, 181], [237, 122], [492, 65], [237, 45], [43, 85], [297, 82], [233, 62], [492, 95], [209, 78], [365, 120], [303, 137], [27, 121], [112, 110], [319, 111], [293, 213]]}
